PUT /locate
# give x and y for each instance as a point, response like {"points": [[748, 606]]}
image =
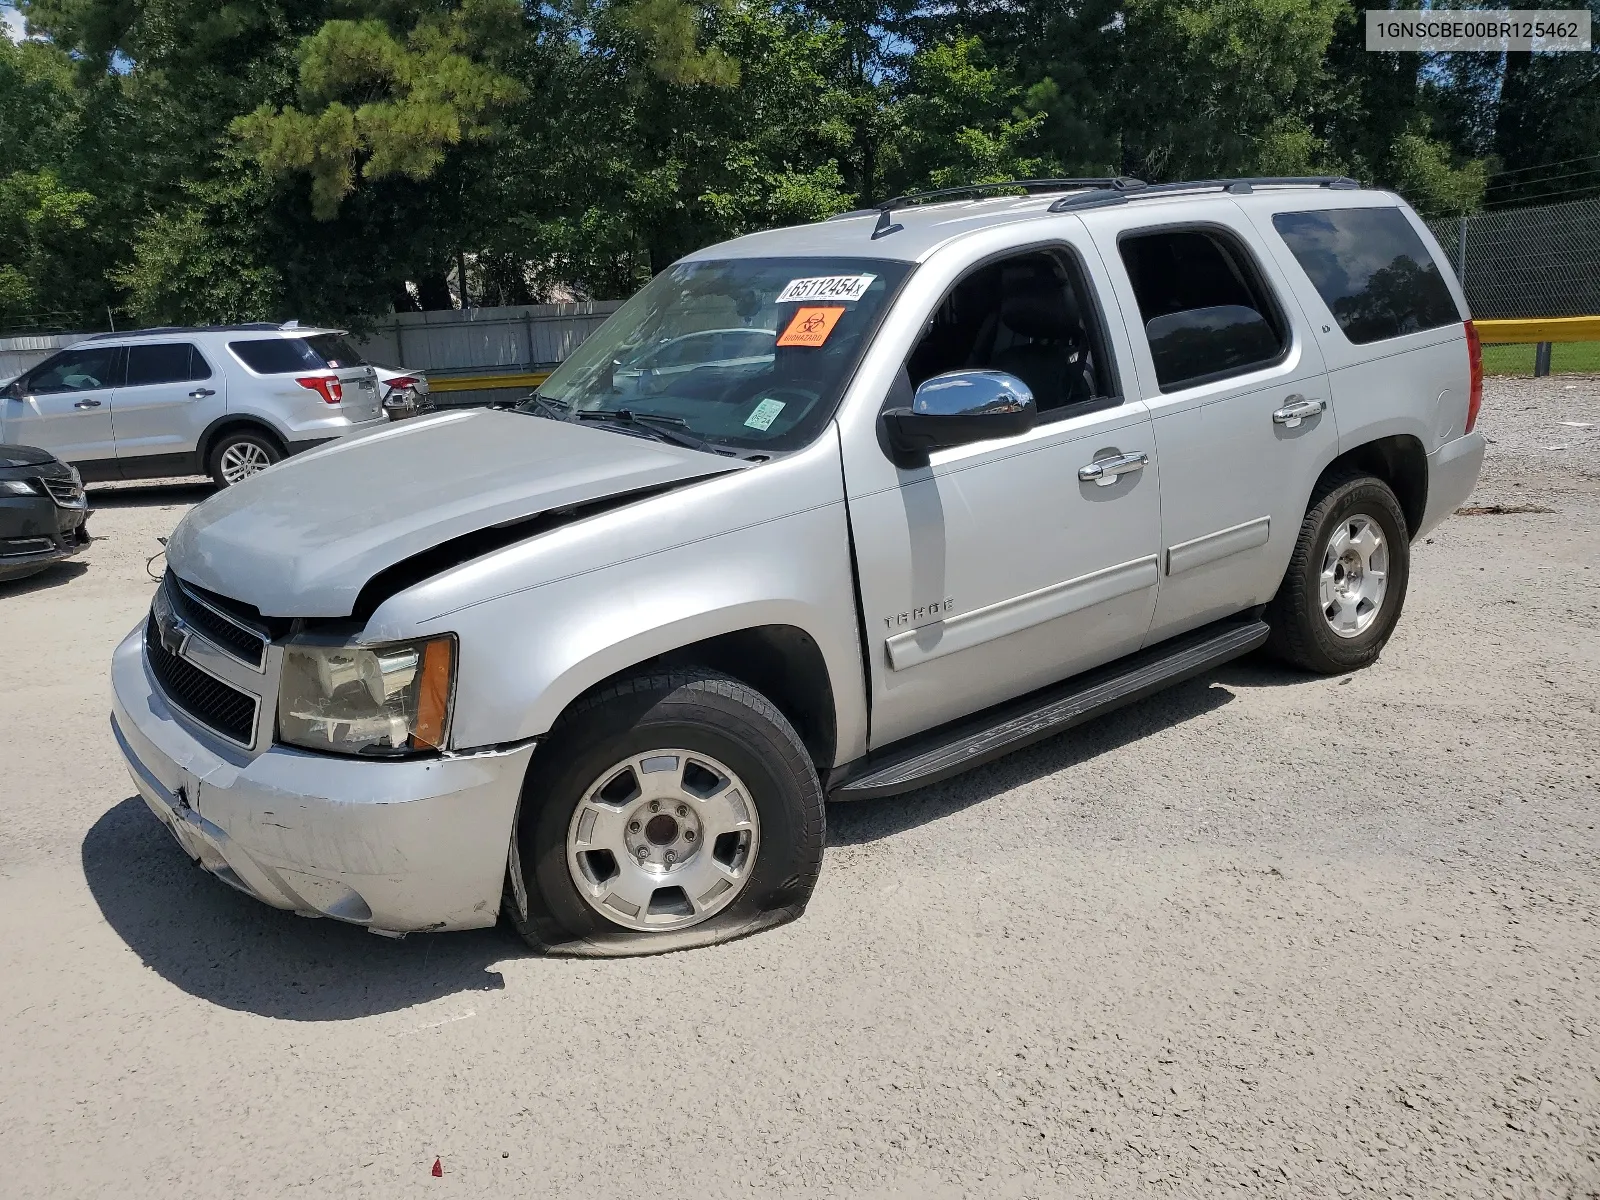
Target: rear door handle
{"points": [[1103, 472], [87, 404], [1295, 409], [201, 393]]}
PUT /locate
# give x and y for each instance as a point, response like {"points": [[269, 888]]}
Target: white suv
{"points": [[970, 472], [227, 401]]}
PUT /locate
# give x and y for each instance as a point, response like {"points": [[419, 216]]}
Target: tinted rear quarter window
{"points": [[165, 362], [335, 351], [1371, 269], [276, 356], [1206, 310]]}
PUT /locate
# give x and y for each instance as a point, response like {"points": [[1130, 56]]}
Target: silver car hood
{"points": [[301, 539]]}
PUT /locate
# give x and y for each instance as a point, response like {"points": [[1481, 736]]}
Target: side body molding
{"points": [[1197, 552], [968, 629]]}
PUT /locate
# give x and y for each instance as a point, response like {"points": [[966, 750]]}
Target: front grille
{"points": [[65, 492], [242, 642], [208, 700]]}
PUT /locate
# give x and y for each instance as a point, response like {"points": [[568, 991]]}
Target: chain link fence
{"points": [[1538, 261]]}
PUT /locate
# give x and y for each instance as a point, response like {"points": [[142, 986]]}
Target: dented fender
{"points": [[541, 622]]}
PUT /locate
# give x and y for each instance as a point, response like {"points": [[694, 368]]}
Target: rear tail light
{"points": [[401, 382], [1475, 369], [326, 386]]}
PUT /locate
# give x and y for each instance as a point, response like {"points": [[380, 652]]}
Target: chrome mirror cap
{"points": [[972, 393], [956, 408]]}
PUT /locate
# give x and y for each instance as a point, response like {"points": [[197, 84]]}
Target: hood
{"points": [[24, 456], [301, 539]]}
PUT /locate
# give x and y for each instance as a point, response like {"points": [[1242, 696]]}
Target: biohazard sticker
{"points": [[826, 287], [810, 326]]}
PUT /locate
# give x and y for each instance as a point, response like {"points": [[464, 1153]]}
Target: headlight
{"points": [[18, 487], [367, 699]]}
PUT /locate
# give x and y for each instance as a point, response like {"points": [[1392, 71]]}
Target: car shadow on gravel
{"points": [[150, 495], [55, 575], [214, 943], [856, 822]]}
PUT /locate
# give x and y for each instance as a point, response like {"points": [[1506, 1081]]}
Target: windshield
{"points": [[748, 353]]}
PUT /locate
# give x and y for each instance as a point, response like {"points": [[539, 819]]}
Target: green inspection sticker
{"points": [[764, 415]]}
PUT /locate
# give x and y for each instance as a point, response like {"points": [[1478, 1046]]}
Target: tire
{"points": [[240, 453], [1345, 507], [724, 741]]}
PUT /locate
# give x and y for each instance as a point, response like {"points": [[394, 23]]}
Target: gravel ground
{"points": [[1296, 937]]}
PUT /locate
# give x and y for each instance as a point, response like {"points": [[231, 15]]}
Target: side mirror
{"points": [[956, 408], [12, 390]]}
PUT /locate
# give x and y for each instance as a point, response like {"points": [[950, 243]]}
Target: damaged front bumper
{"points": [[397, 846]]}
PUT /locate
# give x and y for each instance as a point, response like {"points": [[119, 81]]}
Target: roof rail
{"points": [[886, 208], [245, 327], [1236, 187], [118, 333]]}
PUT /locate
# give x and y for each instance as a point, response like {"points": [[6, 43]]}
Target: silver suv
{"points": [[982, 469], [226, 401]]}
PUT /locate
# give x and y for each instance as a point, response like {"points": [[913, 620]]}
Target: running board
{"points": [[942, 753]]}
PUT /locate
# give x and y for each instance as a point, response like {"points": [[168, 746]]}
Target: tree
{"points": [[379, 104], [49, 272]]}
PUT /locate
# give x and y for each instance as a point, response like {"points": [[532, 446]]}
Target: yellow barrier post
{"points": [[1523, 330], [470, 383]]}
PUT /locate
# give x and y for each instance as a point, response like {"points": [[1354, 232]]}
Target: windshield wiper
{"points": [[663, 428], [542, 406]]}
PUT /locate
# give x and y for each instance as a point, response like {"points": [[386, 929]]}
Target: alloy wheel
{"points": [[663, 840], [242, 460], [1355, 575]]}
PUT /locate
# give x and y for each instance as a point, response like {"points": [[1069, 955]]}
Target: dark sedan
{"points": [[43, 511]]}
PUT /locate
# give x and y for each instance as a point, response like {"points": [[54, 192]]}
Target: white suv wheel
{"points": [[240, 455]]}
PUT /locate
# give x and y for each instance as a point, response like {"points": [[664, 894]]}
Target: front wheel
{"points": [[1346, 584], [667, 811]]}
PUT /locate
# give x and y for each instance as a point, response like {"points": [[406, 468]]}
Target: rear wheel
{"points": [[1346, 584], [241, 453], [666, 811]]}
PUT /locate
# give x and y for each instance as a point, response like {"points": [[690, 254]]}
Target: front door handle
{"points": [[87, 404], [201, 393], [1103, 472], [1296, 408]]}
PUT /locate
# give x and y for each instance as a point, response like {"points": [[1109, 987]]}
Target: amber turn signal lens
{"points": [[433, 697]]}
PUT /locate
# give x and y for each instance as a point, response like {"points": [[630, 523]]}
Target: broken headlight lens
{"points": [[367, 699]]}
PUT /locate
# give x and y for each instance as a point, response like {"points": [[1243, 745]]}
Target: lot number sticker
{"points": [[826, 287], [810, 326], [764, 415]]}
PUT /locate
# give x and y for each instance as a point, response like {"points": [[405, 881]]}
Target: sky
{"points": [[13, 22]]}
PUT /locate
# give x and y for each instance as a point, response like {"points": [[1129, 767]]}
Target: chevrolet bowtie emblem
{"points": [[169, 626]]}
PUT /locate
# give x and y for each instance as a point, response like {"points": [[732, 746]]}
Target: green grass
{"points": [[1566, 358]]}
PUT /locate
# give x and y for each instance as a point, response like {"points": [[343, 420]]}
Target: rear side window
{"points": [[1206, 310], [277, 356], [335, 351], [165, 362], [283, 356], [1371, 269]]}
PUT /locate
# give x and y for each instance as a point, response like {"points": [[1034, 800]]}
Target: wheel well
{"points": [[1402, 463], [781, 662], [227, 425]]}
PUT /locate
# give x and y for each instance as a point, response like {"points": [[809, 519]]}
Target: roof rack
{"points": [[116, 333], [1234, 187], [245, 327], [885, 209]]}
